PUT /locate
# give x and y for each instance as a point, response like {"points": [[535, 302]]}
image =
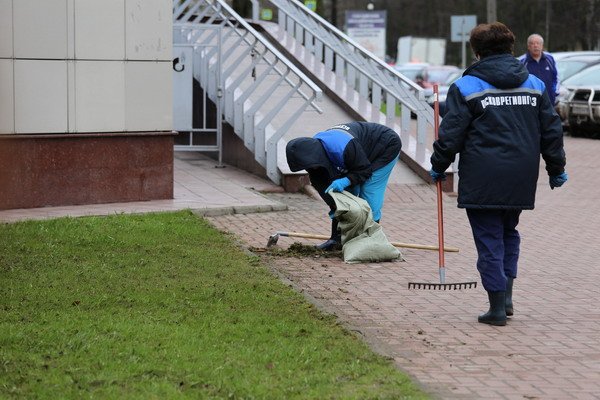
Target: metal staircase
{"points": [[257, 90]]}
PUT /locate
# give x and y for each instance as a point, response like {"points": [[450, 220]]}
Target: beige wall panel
{"points": [[7, 111], [40, 28], [100, 29], [6, 27], [71, 96], [148, 29], [40, 96], [100, 96], [71, 29], [148, 96]]}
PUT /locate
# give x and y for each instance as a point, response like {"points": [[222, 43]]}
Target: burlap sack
{"points": [[363, 239]]}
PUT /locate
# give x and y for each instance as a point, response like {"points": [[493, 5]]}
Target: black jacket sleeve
{"points": [[320, 180], [452, 132], [358, 165], [551, 144]]}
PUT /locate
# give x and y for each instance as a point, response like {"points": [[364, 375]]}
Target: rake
{"points": [[440, 220]]}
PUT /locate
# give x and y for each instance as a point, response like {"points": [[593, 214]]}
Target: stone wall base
{"points": [[71, 169]]}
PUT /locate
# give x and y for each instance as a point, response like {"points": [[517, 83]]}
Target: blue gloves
{"points": [[437, 176], [558, 180], [338, 185]]}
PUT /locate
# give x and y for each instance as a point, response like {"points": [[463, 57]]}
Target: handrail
{"points": [[313, 27], [351, 42], [260, 38], [263, 93]]}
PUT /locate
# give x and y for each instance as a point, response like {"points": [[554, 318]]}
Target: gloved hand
{"points": [[338, 185], [558, 180], [437, 176]]}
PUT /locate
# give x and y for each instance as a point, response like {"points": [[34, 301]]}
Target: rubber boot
{"points": [[497, 312], [509, 302], [335, 241]]}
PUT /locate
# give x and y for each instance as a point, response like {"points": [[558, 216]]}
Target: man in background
{"points": [[541, 64]]}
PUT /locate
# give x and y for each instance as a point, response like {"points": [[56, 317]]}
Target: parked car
{"points": [[560, 55], [571, 65], [443, 90], [435, 74], [411, 70], [426, 76], [581, 108]]}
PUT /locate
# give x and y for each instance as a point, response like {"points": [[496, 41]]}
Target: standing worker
{"points": [[500, 119], [541, 64], [356, 156]]}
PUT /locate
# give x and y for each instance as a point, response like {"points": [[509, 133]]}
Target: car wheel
{"points": [[576, 130], [594, 133]]}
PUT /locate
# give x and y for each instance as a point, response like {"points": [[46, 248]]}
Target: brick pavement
{"points": [[550, 349]]}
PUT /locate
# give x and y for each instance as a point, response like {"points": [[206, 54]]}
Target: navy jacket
{"points": [[353, 150], [500, 120], [545, 69]]}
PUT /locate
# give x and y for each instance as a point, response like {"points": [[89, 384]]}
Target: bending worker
{"points": [[356, 156]]}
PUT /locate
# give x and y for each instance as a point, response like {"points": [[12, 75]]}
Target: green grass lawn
{"points": [[163, 306]]}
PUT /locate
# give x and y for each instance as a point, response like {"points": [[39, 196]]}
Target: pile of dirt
{"points": [[297, 249]]}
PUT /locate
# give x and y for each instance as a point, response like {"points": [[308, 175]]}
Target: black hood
{"points": [[304, 153], [502, 71]]}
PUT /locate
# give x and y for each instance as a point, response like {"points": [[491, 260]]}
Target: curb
{"points": [[218, 211]]}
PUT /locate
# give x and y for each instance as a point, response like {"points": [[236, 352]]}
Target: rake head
{"points": [[442, 286]]}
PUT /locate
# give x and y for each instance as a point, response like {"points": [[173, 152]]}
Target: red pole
{"points": [[440, 210]]}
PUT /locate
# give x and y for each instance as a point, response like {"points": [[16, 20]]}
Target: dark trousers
{"points": [[497, 241]]}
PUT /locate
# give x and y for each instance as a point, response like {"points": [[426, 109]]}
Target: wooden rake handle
{"points": [[395, 244]]}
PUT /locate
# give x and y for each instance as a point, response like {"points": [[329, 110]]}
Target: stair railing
{"points": [[263, 93]]}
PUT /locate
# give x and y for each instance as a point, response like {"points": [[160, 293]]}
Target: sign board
{"points": [[367, 28], [460, 27]]}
